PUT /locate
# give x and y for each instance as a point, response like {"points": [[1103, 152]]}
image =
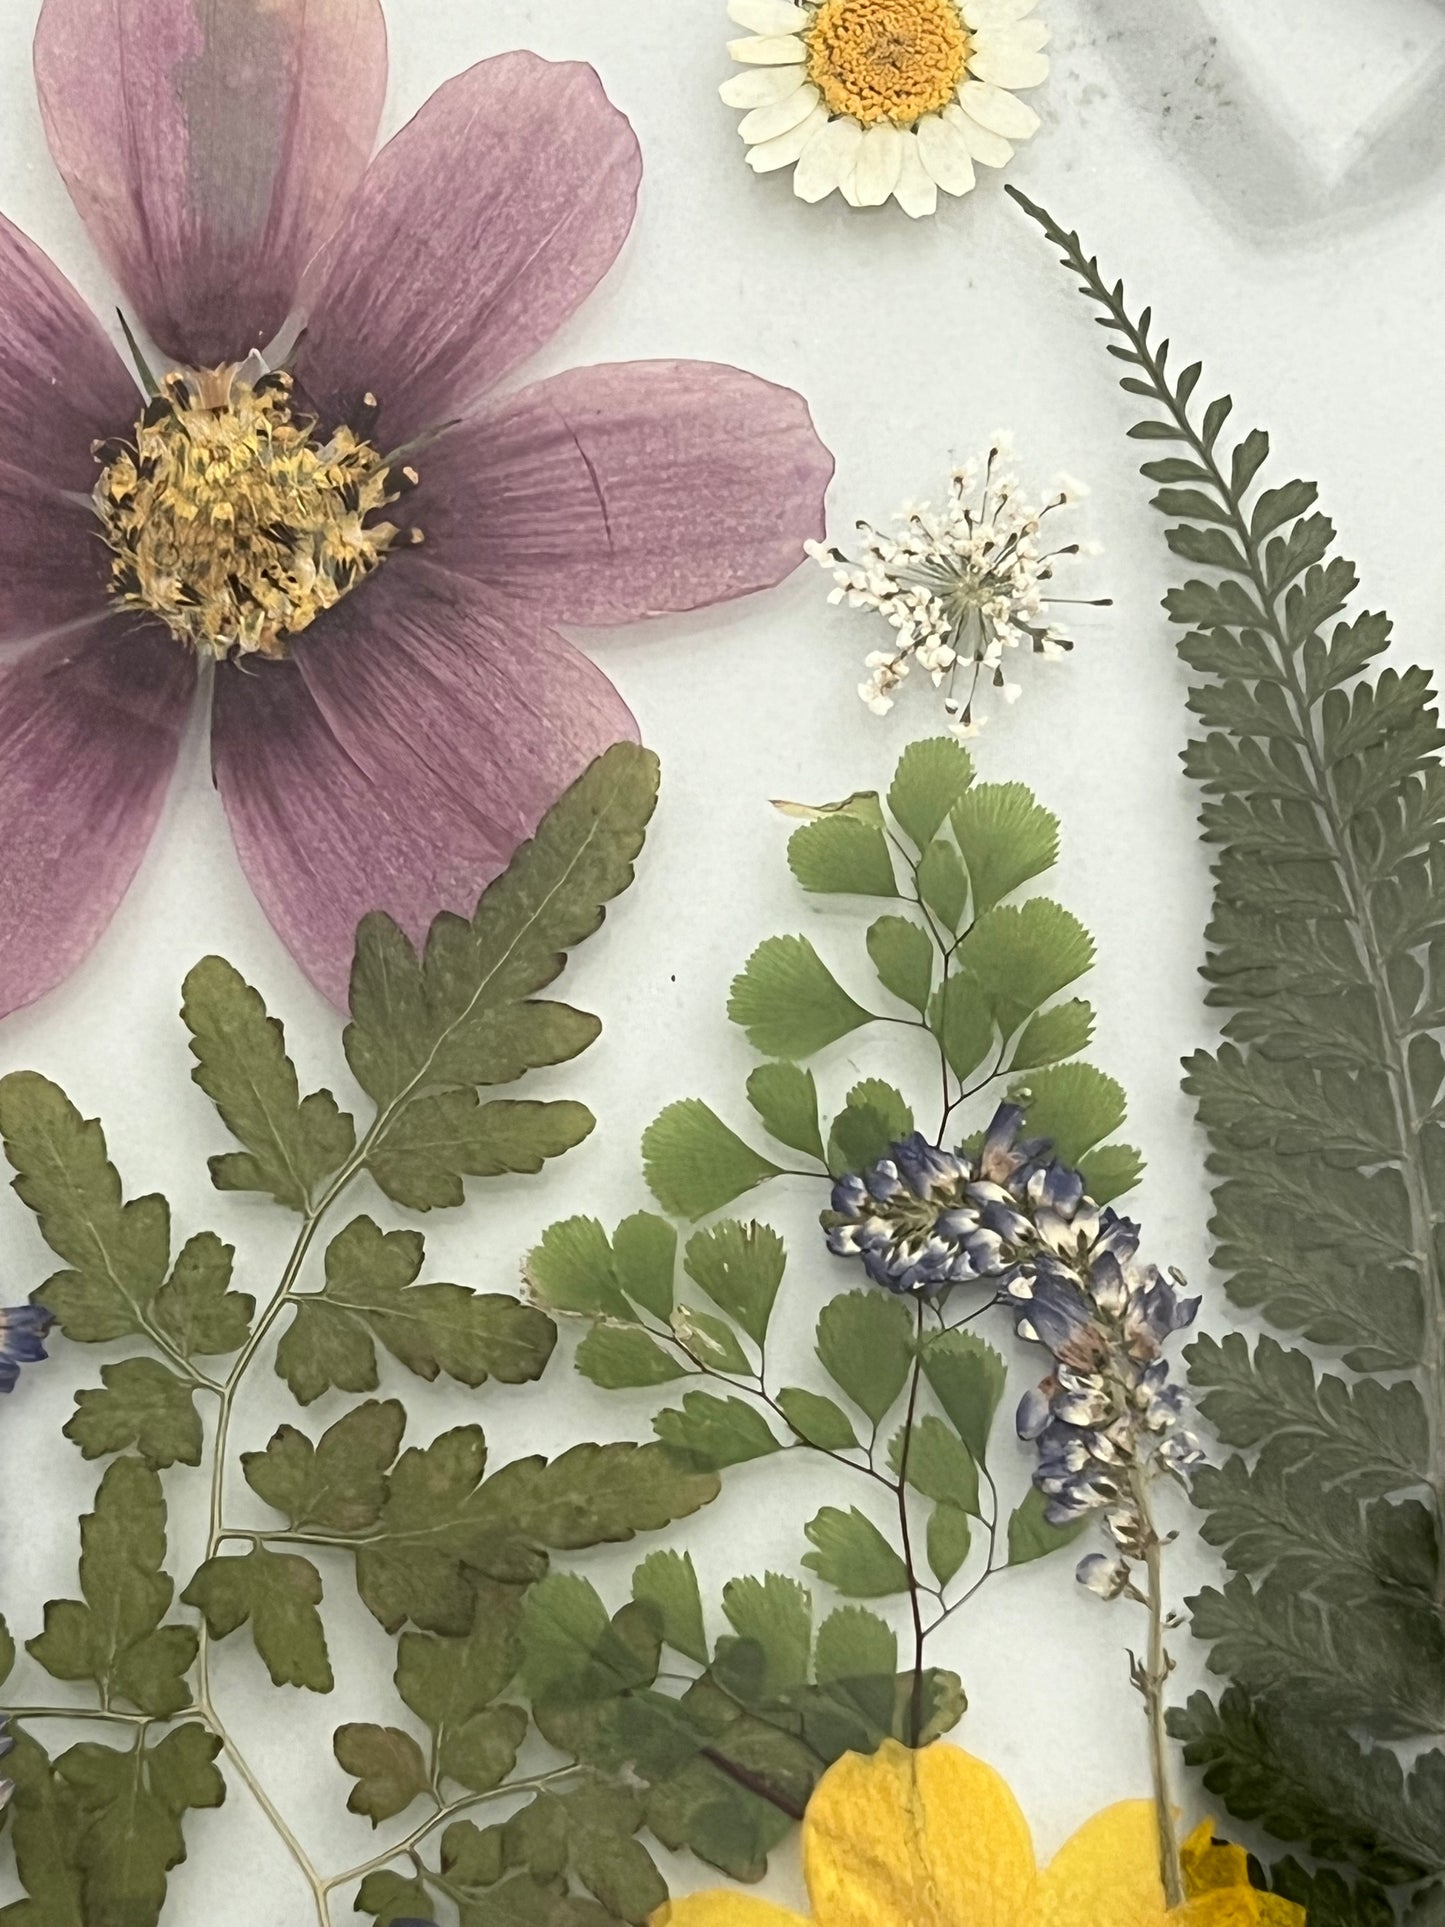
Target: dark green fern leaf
{"points": [[1324, 806]]}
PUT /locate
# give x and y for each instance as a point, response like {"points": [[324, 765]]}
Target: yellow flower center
{"points": [[887, 59], [232, 521]]}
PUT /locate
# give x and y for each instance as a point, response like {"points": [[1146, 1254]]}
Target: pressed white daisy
{"points": [[962, 586], [884, 98]]}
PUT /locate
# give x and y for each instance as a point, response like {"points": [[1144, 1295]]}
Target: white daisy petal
{"points": [[998, 111], [768, 16], [988, 149], [880, 161], [944, 152], [766, 123], [783, 151], [761, 86], [995, 59], [1024, 36], [827, 158], [916, 191], [995, 13], [768, 50], [848, 187]]}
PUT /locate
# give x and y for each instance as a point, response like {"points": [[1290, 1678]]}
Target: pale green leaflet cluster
{"points": [[961, 960]]}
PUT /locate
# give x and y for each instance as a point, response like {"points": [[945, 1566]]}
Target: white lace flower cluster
{"points": [[963, 586]]}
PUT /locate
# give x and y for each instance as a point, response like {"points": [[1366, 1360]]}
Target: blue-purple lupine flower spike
{"points": [[923, 1219], [1013, 1216], [22, 1334]]}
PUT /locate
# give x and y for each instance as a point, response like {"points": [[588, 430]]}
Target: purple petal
{"points": [[62, 387], [612, 493], [88, 739], [62, 384], [476, 233], [53, 571], [416, 738], [210, 146]]}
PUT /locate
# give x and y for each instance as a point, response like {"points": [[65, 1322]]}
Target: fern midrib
{"points": [[1423, 1219]]}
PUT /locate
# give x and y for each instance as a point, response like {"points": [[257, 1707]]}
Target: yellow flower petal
{"points": [[1210, 1864], [930, 1839], [1108, 1871], [724, 1910], [1238, 1907], [1216, 1876]]}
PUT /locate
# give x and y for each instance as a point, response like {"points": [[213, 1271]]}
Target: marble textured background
{"points": [[1272, 179]]}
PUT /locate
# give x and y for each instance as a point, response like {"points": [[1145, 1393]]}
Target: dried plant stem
{"points": [[219, 1533], [1151, 1676]]}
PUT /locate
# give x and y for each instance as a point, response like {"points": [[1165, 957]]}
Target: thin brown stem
{"points": [[1151, 1676], [915, 1598]]}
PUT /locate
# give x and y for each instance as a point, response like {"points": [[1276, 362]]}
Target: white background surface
{"points": [[1229, 177]]}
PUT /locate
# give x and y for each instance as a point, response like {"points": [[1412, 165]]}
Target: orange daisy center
{"points": [[887, 59]]}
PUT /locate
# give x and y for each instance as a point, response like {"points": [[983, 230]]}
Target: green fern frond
{"points": [[1324, 803]]}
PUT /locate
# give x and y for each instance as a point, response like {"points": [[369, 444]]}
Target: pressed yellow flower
{"points": [[936, 1839]]}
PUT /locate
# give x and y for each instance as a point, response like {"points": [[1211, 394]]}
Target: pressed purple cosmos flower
{"points": [[362, 550]]}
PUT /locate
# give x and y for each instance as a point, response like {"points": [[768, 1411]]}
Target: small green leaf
{"points": [[865, 1345], [117, 1252], [842, 855], [711, 1341], [668, 1582], [436, 1142], [571, 1649], [196, 1309], [943, 884], [851, 1554], [453, 1686], [1021, 957], [949, 1537], [968, 1378], [1030, 1536], [817, 1420], [1006, 837], [1074, 1106], [115, 1637], [874, 1118], [789, 1002], [931, 777], [462, 1015], [128, 1807], [279, 1594], [854, 1644], [338, 1484], [940, 1465], [389, 1767], [370, 1297], [144, 1405], [391, 1901], [291, 1142], [961, 1018], [572, 1269], [43, 1825], [1111, 1171], [740, 1267], [903, 956], [785, 1097], [715, 1433], [616, 1357], [1054, 1034], [695, 1164], [645, 1252], [7, 1652], [776, 1614]]}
